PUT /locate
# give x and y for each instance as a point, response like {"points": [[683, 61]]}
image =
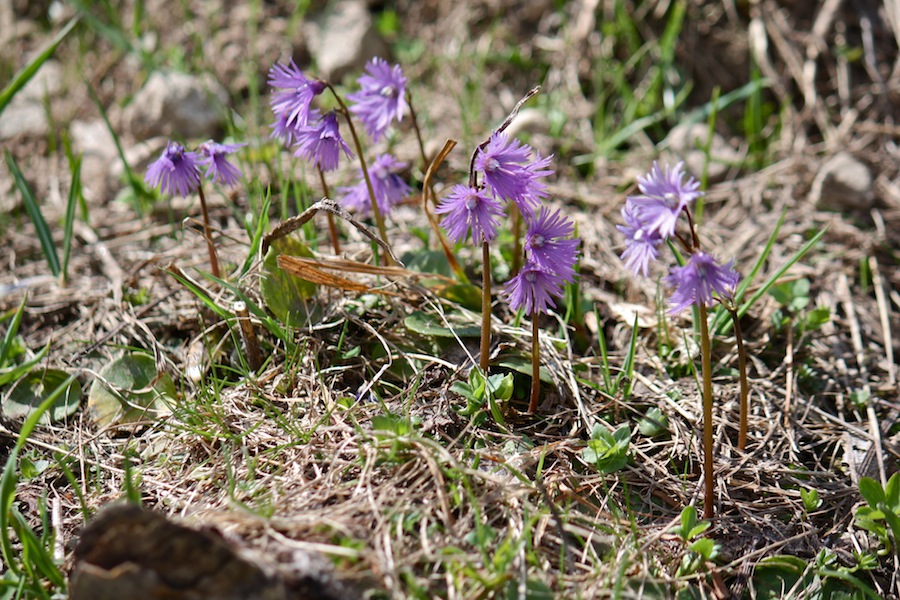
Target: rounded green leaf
{"points": [[136, 391], [290, 298], [31, 390]]}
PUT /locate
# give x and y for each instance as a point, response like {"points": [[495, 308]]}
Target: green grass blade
{"points": [[9, 478], [38, 561], [24, 76], [628, 368], [69, 225], [34, 211], [7, 342], [774, 277]]}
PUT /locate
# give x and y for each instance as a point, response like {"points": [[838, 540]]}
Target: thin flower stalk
{"points": [[332, 226], [207, 234], [535, 364], [745, 385], [484, 360], [706, 369], [376, 211]]}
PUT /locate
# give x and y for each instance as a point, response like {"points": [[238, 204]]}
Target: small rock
{"points": [[26, 115], [92, 138], [23, 120], [177, 104], [687, 141], [344, 38], [530, 120], [98, 151], [48, 81], [843, 184]]}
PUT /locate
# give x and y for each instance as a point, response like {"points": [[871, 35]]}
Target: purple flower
{"points": [[533, 289], [381, 98], [696, 281], [295, 91], [510, 172], [321, 143], [215, 157], [387, 184], [176, 171], [548, 246], [467, 208], [641, 246], [282, 130], [663, 196]]}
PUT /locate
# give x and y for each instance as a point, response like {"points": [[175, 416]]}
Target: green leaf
{"points": [[500, 386], [430, 325], [892, 492], [705, 547], [130, 389], [522, 365], [654, 422], [34, 211], [872, 491], [608, 452], [290, 298], [24, 76], [427, 261], [6, 346], [30, 392], [816, 318]]}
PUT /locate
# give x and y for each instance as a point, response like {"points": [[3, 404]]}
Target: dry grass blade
{"points": [[308, 272], [289, 225]]}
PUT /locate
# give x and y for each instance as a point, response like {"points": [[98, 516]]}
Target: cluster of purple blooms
{"points": [[177, 170], [510, 174], [651, 218], [316, 137]]}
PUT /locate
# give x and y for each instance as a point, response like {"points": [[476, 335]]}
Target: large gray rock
{"points": [[343, 39], [843, 184], [177, 105]]}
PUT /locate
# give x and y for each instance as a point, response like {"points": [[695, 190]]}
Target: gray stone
{"points": [[26, 115], [343, 39], [843, 184], [530, 120], [178, 105], [94, 142], [21, 119], [687, 141]]}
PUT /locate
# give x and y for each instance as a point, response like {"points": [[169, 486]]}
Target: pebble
{"points": [[177, 105], [687, 142], [343, 39], [843, 184]]}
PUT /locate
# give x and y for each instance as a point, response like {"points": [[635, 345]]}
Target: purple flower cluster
{"points": [[510, 175], [513, 172], [381, 98], [313, 136], [551, 253], [651, 218], [316, 137], [177, 170]]}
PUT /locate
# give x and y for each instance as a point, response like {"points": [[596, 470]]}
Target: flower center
{"points": [[638, 235], [530, 276], [671, 199], [471, 202], [388, 91], [491, 165], [538, 241]]}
